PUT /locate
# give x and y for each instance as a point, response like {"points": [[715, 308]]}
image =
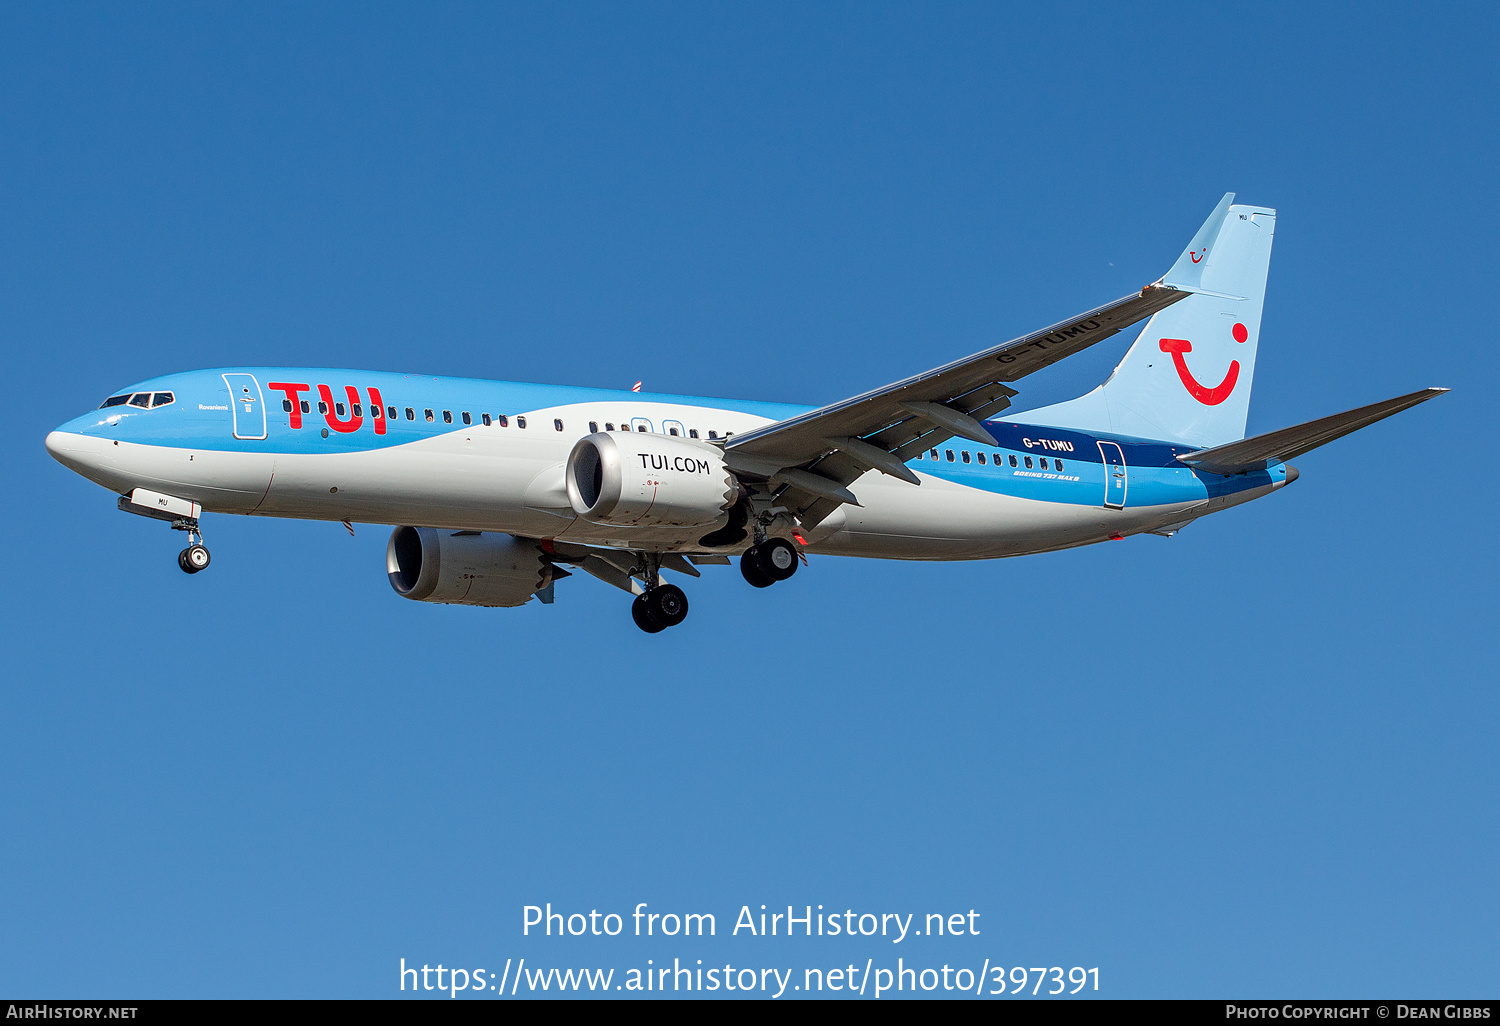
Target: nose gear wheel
{"points": [[193, 558]]}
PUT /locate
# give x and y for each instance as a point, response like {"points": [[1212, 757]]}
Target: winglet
{"points": [[1187, 273]]}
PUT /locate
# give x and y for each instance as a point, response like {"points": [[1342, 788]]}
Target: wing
{"points": [[809, 461]]}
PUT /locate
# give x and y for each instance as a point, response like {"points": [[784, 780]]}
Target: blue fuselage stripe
{"points": [[202, 417]]}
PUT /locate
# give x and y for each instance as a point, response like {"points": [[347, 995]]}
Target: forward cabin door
{"points": [[1114, 474], [248, 405]]}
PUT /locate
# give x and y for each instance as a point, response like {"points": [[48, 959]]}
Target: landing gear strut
{"points": [[771, 561], [195, 557]]}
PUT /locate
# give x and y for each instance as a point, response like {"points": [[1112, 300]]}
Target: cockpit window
{"points": [[140, 400]]}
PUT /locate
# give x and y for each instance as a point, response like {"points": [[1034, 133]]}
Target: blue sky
{"points": [[1257, 759]]}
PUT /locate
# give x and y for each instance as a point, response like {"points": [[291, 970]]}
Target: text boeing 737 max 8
{"points": [[505, 485]]}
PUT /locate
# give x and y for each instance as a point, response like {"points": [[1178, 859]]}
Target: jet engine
{"points": [[465, 567], [648, 480]]}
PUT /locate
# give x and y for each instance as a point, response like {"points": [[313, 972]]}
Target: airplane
{"points": [[500, 489]]}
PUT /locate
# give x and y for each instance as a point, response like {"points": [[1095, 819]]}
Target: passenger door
{"points": [[1114, 474], [248, 404]]}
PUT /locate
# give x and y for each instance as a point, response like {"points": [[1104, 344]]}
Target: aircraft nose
{"points": [[79, 452], [57, 445]]}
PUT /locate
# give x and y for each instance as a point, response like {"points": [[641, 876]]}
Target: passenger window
{"points": [[305, 407], [520, 422], [358, 410], [428, 414], [692, 432], [162, 399], [411, 414], [486, 418], [672, 432], [1013, 460], [966, 455], [467, 418], [557, 423], [950, 455], [1044, 463], [980, 457], [934, 454], [322, 407], [997, 459], [114, 400], [502, 420], [338, 408], [1057, 464], [713, 434], [640, 427], [375, 411], [141, 399], [608, 426], [1028, 463], [593, 427], [447, 416], [391, 414], [286, 406]]}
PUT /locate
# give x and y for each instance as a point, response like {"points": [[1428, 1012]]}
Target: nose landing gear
{"points": [[193, 558], [182, 514]]}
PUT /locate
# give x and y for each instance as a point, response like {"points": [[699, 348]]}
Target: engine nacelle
{"points": [[634, 479], [465, 567]]}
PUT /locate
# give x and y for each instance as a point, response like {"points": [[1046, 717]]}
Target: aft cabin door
{"points": [[1114, 474], [248, 405]]}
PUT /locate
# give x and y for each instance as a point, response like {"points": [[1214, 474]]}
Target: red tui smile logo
{"points": [[1205, 395]]}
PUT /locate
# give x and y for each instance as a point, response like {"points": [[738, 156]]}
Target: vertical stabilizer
{"points": [[1187, 377]]}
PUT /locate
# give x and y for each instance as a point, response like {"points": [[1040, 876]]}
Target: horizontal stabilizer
{"points": [[1279, 446]]}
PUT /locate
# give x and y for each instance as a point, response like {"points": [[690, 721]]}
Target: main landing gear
{"points": [[663, 606], [195, 557], [771, 561]]}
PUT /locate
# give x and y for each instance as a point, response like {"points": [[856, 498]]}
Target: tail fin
{"points": [[1187, 377]]}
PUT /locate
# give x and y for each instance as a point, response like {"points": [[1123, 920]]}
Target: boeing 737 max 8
{"points": [[502, 487]]}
